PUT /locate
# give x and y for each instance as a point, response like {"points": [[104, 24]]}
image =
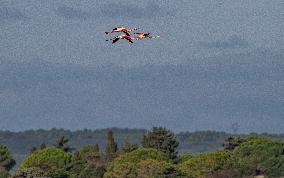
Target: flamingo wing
{"points": [[115, 40], [126, 32], [129, 39]]}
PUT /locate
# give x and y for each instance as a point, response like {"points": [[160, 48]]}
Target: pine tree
{"points": [[162, 140], [111, 147], [6, 160]]}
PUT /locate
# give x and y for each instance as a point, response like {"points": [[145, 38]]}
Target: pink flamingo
{"points": [[122, 29], [115, 39]]}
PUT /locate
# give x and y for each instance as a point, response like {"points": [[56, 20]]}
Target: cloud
{"points": [[232, 42], [72, 13], [8, 14], [39, 94], [117, 10]]}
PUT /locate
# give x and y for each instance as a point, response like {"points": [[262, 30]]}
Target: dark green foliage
{"points": [[111, 147], [6, 160], [259, 155], [163, 140], [231, 143], [52, 161]]}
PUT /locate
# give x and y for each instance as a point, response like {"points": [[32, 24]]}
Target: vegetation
{"points": [[111, 147], [205, 165], [6, 159], [50, 161], [155, 156], [162, 140], [258, 155]]}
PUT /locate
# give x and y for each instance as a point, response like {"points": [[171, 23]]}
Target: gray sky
{"points": [[217, 63]]}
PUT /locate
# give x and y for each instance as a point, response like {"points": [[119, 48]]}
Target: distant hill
{"points": [[190, 142]]}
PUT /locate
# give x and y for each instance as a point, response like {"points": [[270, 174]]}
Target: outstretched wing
{"points": [[126, 32], [115, 40], [129, 39]]}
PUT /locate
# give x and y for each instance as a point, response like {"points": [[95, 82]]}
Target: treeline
{"points": [[20, 143], [155, 156]]}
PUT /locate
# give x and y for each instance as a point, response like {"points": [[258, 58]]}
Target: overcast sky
{"points": [[217, 63]]}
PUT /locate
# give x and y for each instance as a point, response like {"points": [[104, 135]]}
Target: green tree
{"points": [[259, 155], [163, 140], [126, 165], [52, 161], [205, 165], [111, 147], [6, 160]]}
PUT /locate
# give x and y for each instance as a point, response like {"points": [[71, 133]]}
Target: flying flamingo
{"points": [[122, 29], [144, 35], [115, 39]]}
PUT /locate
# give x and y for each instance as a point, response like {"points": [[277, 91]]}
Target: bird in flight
{"points": [[123, 30], [127, 34], [115, 39], [140, 36]]}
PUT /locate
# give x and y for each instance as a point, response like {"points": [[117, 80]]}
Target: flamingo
{"points": [[115, 39], [144, 35], [122, 29]]}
